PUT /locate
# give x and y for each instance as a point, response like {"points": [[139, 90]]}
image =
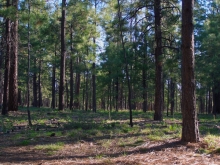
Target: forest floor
{"points": [[103, 138]]}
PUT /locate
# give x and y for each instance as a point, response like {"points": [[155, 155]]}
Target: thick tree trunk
{"points": [[13, 76], [158, 63], [190, 131], [63, 58]]}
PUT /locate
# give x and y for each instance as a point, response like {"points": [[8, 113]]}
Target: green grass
{"points": [[50, 148], [80, 125]]}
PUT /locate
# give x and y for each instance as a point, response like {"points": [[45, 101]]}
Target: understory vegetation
{"points": [[53, 130]]}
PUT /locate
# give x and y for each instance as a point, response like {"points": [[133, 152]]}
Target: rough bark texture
{"points": [[63, 58], [158, 62], [190, 131]]}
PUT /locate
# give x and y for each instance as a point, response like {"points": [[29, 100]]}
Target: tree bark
{"points": [[63, 58], [7, 64], [13, 75], [158, 63], [190, 131]]}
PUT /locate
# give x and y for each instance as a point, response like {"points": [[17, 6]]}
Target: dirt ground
{"points": [[103, 150], [91, 152]]}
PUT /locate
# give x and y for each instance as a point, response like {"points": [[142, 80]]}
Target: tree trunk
{"points": [[13, 75], [7, 64], [190, 131], [116, 93], [87, 92], [126, 63], [77, 90], [144, 84], [35, 104], [168, 96], [1, 77], [63, 58], [71, 84], [158, 62], [67, 95], [39, 86], [172, 94], [210, 102], [54, 86], [94, 88], [28, 71], [216, 100]]}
